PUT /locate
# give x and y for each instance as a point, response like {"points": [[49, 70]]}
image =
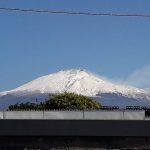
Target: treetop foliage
{"points": [[64, 101]]}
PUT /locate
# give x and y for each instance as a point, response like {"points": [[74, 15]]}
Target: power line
{"points": [[74, 13]]}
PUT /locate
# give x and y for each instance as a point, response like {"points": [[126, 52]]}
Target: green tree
{"points": [[64, 101], [69, 101]]}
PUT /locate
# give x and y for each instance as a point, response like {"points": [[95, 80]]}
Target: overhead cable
{"points": [[74, 13]]}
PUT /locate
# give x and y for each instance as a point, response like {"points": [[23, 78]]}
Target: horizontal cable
{"points": [[74, 13]]}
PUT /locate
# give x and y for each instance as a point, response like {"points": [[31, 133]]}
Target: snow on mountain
{"points": [[78, 81]]}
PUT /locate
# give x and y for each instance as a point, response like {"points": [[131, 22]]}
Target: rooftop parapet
{"points": [[75, 115]]}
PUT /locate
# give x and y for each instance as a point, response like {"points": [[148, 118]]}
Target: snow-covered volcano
{"points": [[74, 80]]}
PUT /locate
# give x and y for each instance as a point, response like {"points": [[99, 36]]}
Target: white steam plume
{"points": [[140, 78]]}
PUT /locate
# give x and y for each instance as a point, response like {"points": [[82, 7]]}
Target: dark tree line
{"points": [[64, 101]]}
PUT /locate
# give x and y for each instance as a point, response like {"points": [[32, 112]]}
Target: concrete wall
{"points": [[23, 115], [74, 115], [103, 115], [1, 115], [134, 115]]}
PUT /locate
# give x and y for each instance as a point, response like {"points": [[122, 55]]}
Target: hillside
{"points": [[77, 81]]}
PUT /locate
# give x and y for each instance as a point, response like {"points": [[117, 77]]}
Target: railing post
{"points": [[3, 114], [83, 114], [43, 114], [123, 114]]}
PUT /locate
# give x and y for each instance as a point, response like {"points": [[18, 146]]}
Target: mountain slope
{"points": [[74, 80]]}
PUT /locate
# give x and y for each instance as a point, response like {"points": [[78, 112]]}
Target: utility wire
{"points": [[74, 13]]}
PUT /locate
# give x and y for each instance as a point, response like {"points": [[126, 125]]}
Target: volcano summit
{"points": [[78, 81]]}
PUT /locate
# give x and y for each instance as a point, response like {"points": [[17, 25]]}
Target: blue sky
{"points": [[32, 44]]}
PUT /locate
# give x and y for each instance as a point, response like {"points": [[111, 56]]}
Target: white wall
{"points": [[134, 115], [1, 115], [23, 114], [103, 115], [73, 115]]}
